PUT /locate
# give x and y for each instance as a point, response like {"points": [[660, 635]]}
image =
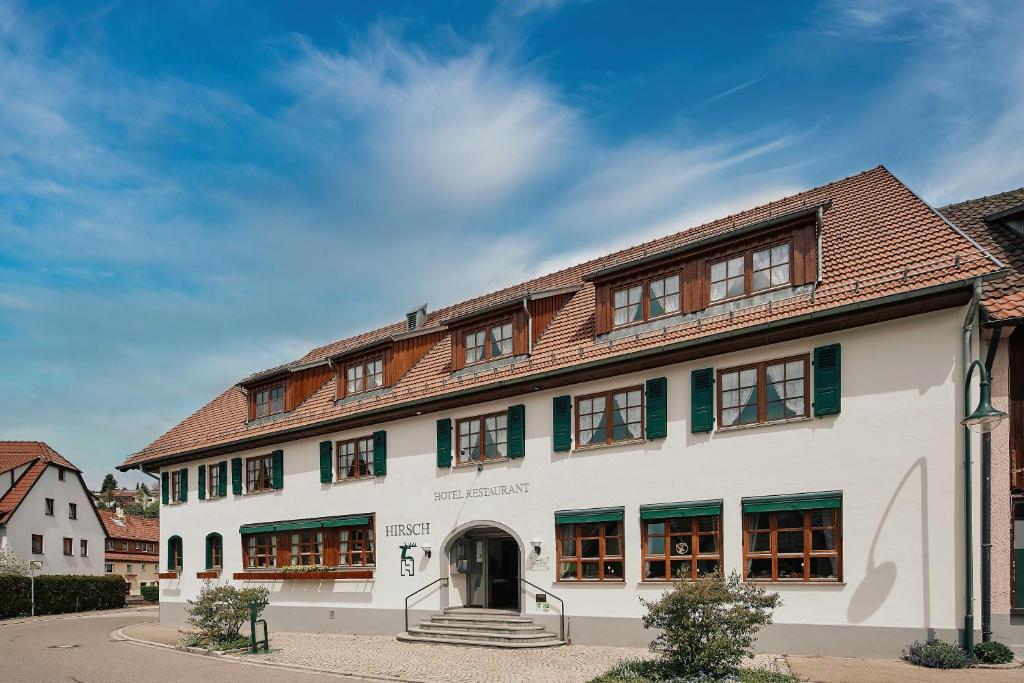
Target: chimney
{"points": [[416, 318]]}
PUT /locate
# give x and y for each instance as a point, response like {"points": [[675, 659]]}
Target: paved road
{"points": [[79, 649]]}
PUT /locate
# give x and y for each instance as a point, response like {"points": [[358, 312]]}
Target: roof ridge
{"points": [[981, 199]]}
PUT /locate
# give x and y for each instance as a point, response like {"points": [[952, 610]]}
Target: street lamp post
{"points": [[984, 419]]}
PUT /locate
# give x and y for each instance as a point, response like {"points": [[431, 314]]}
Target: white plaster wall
{"points": [[894, 452], [31, 518], [1002, 514]]}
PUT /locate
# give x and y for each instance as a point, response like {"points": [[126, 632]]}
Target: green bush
{"points": [[937, 654], [993, 653], [150, 593], [763, 675], [655, 671], [218, 612], [57, 594]]}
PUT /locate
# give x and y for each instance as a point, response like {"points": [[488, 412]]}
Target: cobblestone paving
{"points": [[375, 655]]}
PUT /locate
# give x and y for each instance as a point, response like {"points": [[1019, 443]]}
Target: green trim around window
{"points": [[697, 508], [347, 521], [328, 523], [797, 501], [258, 529], [588, 516]]}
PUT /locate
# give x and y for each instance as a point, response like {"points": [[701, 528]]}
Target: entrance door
{"points": [[493, 577], [1018, 555]]}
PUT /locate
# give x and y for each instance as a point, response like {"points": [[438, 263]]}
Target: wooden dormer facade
{"points": [[759, 258], [382, 363], [285, 389]]}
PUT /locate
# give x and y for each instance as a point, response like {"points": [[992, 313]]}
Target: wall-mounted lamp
{"points": [[426, 550], [536, 545]]}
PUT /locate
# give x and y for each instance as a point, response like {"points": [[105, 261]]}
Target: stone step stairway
{"points": [[481, 627]]}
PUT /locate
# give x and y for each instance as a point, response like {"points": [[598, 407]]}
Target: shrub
{"points": [[937, 654], [766, 675], [57, 594], [993, 653], [655, 671], [11, 564], [708, 626], [150, 593], [633, 671], [218, 612]]}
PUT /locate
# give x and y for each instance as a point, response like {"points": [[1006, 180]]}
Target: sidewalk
{"points": [[848, 670]]}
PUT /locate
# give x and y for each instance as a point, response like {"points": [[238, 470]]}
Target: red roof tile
{"points": [[115, 556], [130, 527], [878, 239], [17, 453]]}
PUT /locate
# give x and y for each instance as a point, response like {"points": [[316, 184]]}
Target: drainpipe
{"points": [[986, 507], [529, 326], [968, 328]]}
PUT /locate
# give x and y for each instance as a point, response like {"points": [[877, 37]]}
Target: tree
{"points": [[709, 625], [218, 612], [136, 507], [11, 564], [109, 483]]}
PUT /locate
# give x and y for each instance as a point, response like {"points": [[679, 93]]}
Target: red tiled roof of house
{"points": [[1002, 299], [130, 527], [115, 556], [878, 239], [38, 456]]}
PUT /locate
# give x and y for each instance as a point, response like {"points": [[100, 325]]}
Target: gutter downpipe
{"points": [[529, 326], [986, 507], [968, 329]]}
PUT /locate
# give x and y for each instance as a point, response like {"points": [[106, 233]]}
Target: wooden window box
{"points": [[304, 576], [208, 574], [167, 575]]}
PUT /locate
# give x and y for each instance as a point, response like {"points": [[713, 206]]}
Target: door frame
{"points": [[458, 534]]}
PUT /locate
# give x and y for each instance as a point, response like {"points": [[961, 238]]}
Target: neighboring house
{"points": [[997, 223], [775, 393], [46, 510], [121, 497], [132, 548]]}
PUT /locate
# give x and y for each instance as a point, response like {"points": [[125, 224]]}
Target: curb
{"points": [[234, 655], [90, 614]]}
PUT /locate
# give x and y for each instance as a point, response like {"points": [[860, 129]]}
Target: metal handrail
{"points": [[561, 610], [441, 580]]}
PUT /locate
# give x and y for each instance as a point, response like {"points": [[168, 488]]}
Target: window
{"points": [[269, 400], [259, 473], [49, 507], [355, 458], [175, 491], [60, 473], [494, 442], [108, 568], [260, 551], [763, 392], [175, 553], [307, 546], [681, 547], [590, 551], [355, 546], [214, 480], [37, 544], [214, 551], [489, 343], [646, 300], [364, 376], [753, 271], [137, 545], [110, 544], [125, 545], [83, 547], [127, 569], [68, 546], [792, 545], [72, 511], [609, 417]]}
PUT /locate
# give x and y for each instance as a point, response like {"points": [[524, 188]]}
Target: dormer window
{"points": [[270, 400], [364, 376], [489, 343], [755, 271], [649, 299]]}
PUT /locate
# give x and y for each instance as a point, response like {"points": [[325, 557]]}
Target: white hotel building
{"points": [[776, 393]]}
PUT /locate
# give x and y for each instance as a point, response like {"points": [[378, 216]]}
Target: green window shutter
{"points": [[209, 551], [380, 453], [165, 487], [561, 423], [702, 400], [202, 482], [277, 479], [827, 380], [657, 408], [222, 483], [236, 476], [517, 431], [444, 442], [183, 491], [326, 470]]}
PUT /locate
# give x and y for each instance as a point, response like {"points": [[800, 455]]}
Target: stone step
{"points": [[448, 640], [471, 627], [479, 619], [488, 636]]}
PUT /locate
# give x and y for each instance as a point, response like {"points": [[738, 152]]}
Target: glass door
{"points": [[476, 580]]}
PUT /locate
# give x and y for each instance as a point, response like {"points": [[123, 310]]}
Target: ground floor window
{"points": [[590, 551], [68, 546], [307, 547], [355, 546], [214, 551], [334, 542], [174, 554], [793, 544], [37, 544], [261, 551], [681, 547], [108, 568]]}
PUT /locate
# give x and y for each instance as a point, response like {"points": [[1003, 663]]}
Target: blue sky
{"points": [[193, 191]]}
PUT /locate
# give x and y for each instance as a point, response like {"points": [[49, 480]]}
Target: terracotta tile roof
{"points": [[130, 527], [878, 239], [1002, 299], [17, 453], [115, 556]]}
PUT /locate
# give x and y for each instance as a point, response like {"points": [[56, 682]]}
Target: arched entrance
{"points": [[485, 563]]}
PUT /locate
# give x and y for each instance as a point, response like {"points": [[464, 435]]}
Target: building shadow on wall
{"points": [[880, 578]]}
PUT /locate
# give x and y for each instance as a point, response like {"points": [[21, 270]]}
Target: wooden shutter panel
{"points": [[657, 408], [236, 476], [170, 554], [183, 491], [209, 551], [165, 487], [277, 476], [202, 482], [827, 380], [517, 431], [561, 423], [326, 468], [380, 453], [702, 400], [444, 442], [222, 482]]}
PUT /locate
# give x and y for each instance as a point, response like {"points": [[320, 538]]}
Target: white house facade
{"points": [[775, 394]]}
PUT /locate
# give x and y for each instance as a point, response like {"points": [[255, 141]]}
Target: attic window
{"points": [[755, 270], [269, 400], [645, 300], [364, 376], [489, 343]]}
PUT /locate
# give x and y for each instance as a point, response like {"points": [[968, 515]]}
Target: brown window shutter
{"points": [[458, 348], [520, 334], [284, 549]]}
